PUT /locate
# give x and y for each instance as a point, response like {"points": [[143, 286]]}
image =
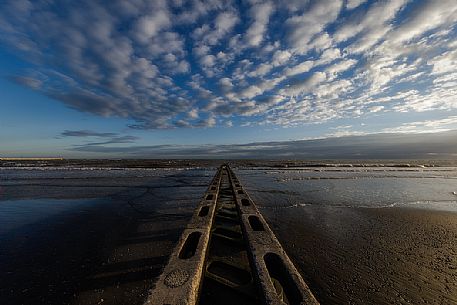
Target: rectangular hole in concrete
{"points": [[282, 280], [203, 211], [255, 223], [190, 246], [240, 192], [245, 202], [209, 197]]}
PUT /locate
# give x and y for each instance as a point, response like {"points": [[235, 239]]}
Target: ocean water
{"points": [[33, 194], [29, 195], [370, 187]]}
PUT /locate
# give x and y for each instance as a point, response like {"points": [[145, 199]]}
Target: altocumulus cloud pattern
{"points": [[167, 64]]}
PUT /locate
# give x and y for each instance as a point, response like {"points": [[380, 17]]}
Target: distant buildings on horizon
{"points": [[30, 159]]}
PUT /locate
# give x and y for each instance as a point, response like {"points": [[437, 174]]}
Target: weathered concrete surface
{"points": [[180, 280], [279, 280], [267, 265]]}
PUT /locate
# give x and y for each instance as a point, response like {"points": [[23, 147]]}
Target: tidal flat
{"points": [[77, 234]]}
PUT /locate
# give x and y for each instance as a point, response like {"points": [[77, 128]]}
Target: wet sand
{"points": [[128, 271], [105, 254], [372, 256], [108, 251], [111, 252]]}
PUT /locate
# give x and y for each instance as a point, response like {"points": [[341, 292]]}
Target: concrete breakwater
{"points": [[228, 255]]}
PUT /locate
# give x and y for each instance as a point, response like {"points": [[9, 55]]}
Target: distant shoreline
{"points": [[31, 159], [192, 163]]}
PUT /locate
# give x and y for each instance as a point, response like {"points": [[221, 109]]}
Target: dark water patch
{"points": [[283, 192], [91, 244], [44, 261], [17, 213]]}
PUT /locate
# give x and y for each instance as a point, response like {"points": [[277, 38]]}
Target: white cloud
{"points": [[329, 55], [302, 28], [250, 92], [340, 67], [375, 108], [334, 90], [429, 15], [285, 62], [226, 84], [345, 133], [351, 4], [299, 87], [208, 60], [427, 126], [149, 26], [444, 63], [374, 25], [261, 70], [225, 22], [193, 114], [260, 14], [280, 57], [300, 68]]}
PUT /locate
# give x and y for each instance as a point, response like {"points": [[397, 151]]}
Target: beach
{"points": [[372, 256], [368, 235], [102, 236], [91, 236]]}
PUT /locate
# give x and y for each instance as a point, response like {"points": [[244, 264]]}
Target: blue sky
{"points": [[94, 78]]}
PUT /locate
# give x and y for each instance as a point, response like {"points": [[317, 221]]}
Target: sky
{"points": [[174, 78]]}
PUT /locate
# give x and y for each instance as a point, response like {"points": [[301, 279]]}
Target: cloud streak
{"points": [[87, 133], [440, 145], [109, 137]]}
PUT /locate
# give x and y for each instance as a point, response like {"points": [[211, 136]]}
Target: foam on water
{"points": [[445, 205], [373, 187]]}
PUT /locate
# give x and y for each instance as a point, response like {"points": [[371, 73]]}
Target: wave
{"points": [[364, 177]]}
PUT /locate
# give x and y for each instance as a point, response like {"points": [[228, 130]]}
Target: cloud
{"points": [[111, 137], [87, 133], [428, 126], [191, 63], [341, 145], [351, 4], [26, 81], [427, 16], [193, 114], [302, 86], [280, 57], [149, 26], [444, 63], [376, 108], [300, 68], [208, 122], [223, 24], [114, 140], [302, 28], [340, 67], [260, 13]]}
